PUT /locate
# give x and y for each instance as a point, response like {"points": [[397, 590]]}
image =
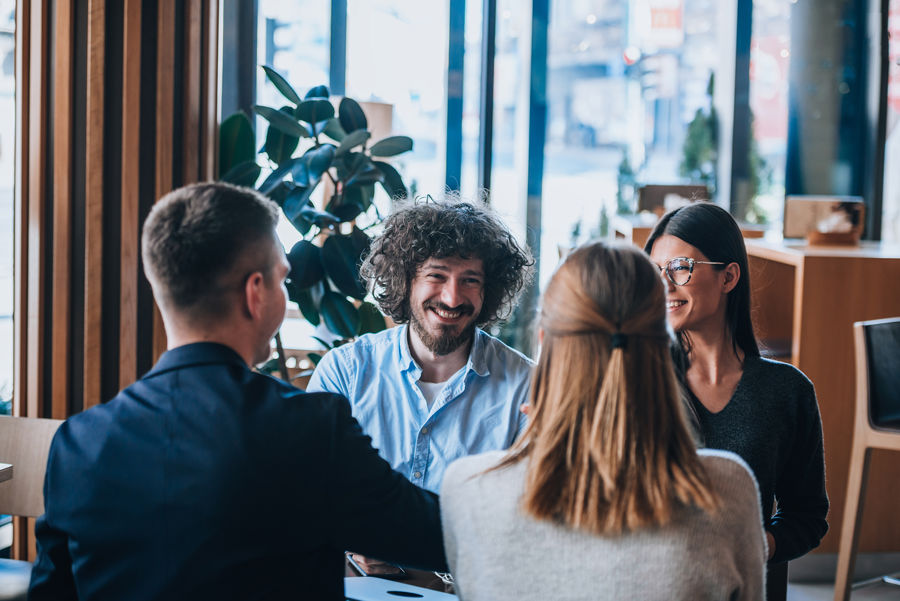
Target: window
{"points": [[890, 229], [7, 177]]}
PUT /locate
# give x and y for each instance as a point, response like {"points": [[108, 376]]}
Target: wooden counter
{"points": [[805, 300]]}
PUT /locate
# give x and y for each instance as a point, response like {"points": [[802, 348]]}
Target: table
{"points": [[805, 300], [6, 471]]}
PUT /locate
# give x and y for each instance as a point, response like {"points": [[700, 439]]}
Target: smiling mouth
{"points": [[447, 314], [674, 304]]}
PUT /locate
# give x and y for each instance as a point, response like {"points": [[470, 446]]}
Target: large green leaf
{"points": [[341, 258], [243, 174], [351, 116], [360, 195], [391, 181], [305, 300], [345, 207], [294, 207], [306, 264], [321, 219], [236, 142], [317, 92], [356, 168], [334, 130], [282, 85], [353, 140], [314, 110], [284, 123], [314, 162], [277, 177], [370, 319], [280, 146], [391, 146], [339, 314]]}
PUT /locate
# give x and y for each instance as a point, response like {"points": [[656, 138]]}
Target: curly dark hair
{"points": [[427, 228]]}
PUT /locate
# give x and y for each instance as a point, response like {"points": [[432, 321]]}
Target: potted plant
{"points": [[308, 142]]}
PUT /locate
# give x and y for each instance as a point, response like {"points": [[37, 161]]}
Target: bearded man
{"points": [[437, 387]]}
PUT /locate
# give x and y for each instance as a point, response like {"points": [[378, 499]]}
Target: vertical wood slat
{"points": [[20, 332], [20, 223], [209, 126], [165, 112], [193, 74], [94, 168], [34, 213], [62, 208], [130, 228]]}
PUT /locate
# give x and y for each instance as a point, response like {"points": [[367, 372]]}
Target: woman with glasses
{"points": [[763, 410], [605, 495]]}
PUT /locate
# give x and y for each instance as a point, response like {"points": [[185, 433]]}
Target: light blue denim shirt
{"points": [[477, 410]]}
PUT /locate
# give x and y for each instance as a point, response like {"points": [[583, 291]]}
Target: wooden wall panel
{"points": [[131, 189], [64, 65], [165, 118], [78, 197], [35, 210], [93, 226]]}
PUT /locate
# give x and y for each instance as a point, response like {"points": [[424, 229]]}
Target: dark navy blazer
{"points": [[204, 479]]}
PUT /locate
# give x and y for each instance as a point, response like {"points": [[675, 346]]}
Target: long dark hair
{"points": [[714, 232]]}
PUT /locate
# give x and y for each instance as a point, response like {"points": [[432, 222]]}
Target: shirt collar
{"points": [[197, 353], [477, 361]]}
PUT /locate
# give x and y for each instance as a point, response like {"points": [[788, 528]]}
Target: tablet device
{"points": [[370, 588]]}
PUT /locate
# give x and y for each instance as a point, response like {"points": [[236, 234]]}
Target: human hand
{"points": [[373, 567]]}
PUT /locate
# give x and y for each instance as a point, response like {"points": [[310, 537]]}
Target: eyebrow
{"points": [[442, 267]]}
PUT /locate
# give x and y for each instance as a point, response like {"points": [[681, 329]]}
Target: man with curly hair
{"points": [[438, 387]]}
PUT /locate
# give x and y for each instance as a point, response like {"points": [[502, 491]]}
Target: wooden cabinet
{"points": [[805, 300]]}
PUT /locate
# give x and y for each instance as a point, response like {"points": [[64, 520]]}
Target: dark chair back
{"points": [[883, 363]]}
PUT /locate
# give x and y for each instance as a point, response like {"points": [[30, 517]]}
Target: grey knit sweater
{"points": [[496, 552], [772, 421]]}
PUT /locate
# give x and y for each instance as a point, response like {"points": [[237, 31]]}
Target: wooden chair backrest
{"points": [[25, 443]]}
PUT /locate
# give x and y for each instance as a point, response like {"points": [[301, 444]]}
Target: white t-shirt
{"points": [[431, 390]]}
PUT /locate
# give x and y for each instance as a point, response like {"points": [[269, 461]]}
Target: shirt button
{"points": [[417, 475], [425, 430]]}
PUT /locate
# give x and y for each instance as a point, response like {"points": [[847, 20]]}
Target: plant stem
{"points": [[282, 360]]}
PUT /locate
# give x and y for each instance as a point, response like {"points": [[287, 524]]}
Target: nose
{"points": [[450, 293], [666, 281]]}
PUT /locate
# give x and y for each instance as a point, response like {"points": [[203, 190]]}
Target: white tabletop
{"points": [[6, 471]]}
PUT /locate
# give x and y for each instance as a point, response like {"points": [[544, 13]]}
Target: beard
{"points": [[446, 339]]}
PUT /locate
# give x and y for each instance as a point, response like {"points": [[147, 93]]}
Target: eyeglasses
{"points": [[679, 269]]}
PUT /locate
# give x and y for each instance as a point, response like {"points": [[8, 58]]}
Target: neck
{"points": [[178, 333], [713, 356], [437, 368]]}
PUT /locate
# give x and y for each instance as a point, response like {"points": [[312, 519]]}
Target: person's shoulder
{"points": [[780, 371], [461, 472], [783, 379], [730, 474], [366, 345], [495, 349]]}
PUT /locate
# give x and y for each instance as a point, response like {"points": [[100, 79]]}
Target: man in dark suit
{"points": [[205, 479]]}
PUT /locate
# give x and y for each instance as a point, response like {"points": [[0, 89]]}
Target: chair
{"points": [[877, 427], [25, 443]]}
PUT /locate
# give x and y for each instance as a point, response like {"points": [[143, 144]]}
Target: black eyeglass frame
{"points": [[691, 262]]}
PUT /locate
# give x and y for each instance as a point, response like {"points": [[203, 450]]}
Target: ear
{"points": [[253, 295], [732, 277]]}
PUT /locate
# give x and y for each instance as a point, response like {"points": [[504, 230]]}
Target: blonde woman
{"points": [[605, 495]]}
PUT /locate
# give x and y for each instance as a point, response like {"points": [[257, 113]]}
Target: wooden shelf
{"points": [[805, 300]]}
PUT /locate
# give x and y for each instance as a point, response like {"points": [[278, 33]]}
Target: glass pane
{"points": [[510, 146], [471, 99], [7, 177], [387, 41], [890, 228], [769, 63], [295, 39], [625, 82]]}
